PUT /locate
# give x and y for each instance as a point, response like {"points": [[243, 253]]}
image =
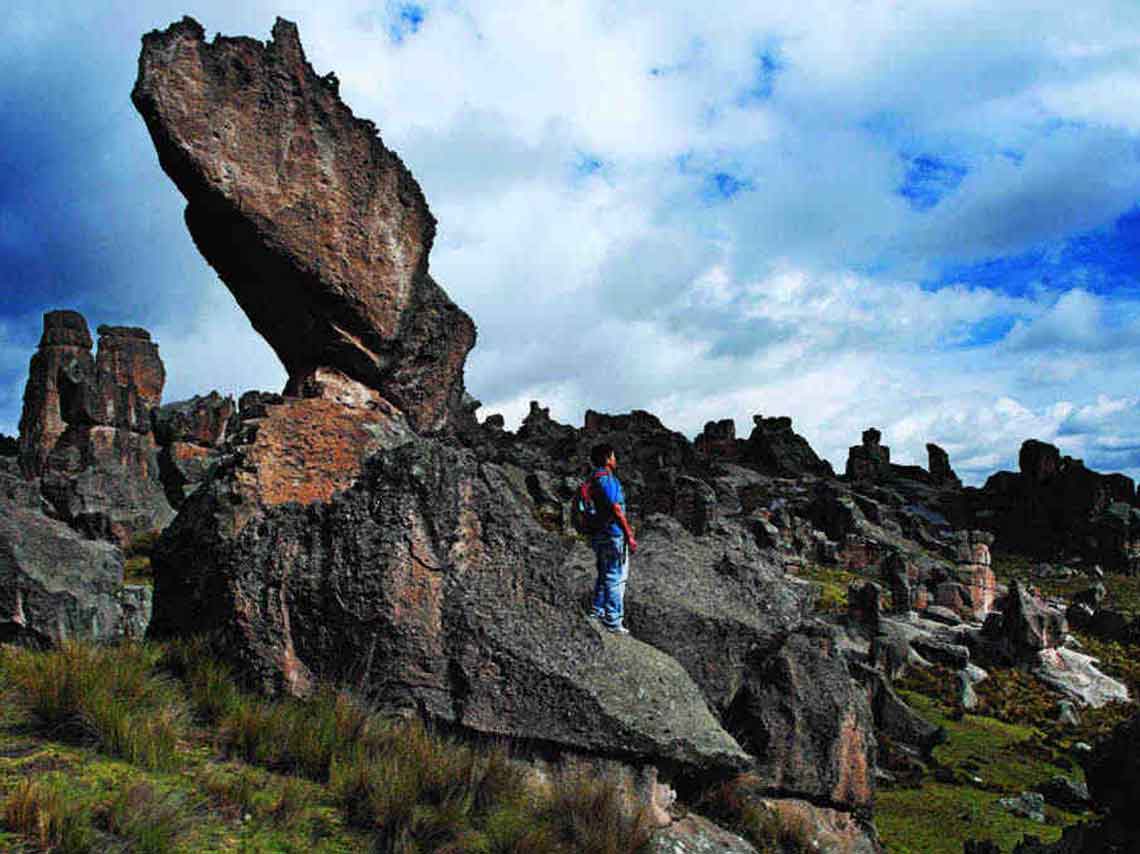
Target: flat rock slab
{"points": [[1076, 675]]}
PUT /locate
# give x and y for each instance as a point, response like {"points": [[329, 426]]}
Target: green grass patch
{"points": [[41, 811], [832, 583], [1011, 749], [79, 770], [937, 818]]}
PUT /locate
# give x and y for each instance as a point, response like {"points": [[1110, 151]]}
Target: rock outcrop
{"points": [[191, 434], [319, 231], [430, 585], [1056, 506], [56, 585], [773, 447], [85, 431]]}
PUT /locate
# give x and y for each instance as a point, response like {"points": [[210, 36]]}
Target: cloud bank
{"points": [[921, 217]]}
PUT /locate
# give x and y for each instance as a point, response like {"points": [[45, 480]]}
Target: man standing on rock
{"points": [[613, 540]]}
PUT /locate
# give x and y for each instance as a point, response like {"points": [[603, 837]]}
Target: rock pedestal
{"points": [[869, 460]]}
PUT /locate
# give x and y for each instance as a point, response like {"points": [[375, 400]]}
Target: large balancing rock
{"points": [[321, 233]]}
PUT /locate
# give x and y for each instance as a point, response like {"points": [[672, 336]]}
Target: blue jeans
{"points": [[613, 570]]}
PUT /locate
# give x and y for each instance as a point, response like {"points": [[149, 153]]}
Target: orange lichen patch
{"points": [[855, 785], [309, 449], [185, 452]]}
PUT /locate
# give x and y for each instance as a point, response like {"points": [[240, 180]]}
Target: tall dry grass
{"points": [[109, 696]]}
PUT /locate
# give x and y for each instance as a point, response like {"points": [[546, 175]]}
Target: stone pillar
{"points": [[939, 466], [59, 379], [869, 460], [972, 555]]}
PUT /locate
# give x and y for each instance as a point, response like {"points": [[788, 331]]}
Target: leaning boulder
{"points": [[321, 233]]}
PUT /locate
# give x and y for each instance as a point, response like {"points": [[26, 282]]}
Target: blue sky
{"points": [[921, 217]]}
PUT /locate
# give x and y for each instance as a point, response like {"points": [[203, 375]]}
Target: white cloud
{"points": [[581, 226]]}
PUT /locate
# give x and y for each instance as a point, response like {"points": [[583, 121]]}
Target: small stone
{"points": [[966, 696], [1030, 805], [1068, 714]]}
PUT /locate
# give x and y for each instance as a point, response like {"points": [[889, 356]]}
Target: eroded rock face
{"points": [[321, 233], [56, 585], [85, 431], [807, 722], [430, 585], [53, 395]]}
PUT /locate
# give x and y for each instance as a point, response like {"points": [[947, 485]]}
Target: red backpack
{"points": [[585, 515]]}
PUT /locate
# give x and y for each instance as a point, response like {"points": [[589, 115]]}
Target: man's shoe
{"points": [[617, 630]]}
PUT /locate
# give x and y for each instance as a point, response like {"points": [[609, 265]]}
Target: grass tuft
{"points": [[149, 821], [736, 805], [107, 695], [41, 811]]}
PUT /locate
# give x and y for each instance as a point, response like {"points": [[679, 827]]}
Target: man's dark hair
{"points": [[599, 454]]}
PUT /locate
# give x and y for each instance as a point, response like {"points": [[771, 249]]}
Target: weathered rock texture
{"points": [[85, 431], [431, 586], [52, 394], [55, 585], [321, 233], [191, 435]]}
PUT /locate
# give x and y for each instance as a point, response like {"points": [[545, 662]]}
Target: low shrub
{"points": [[41, 811], [589, 814], [111, 696], [210, 682]]}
